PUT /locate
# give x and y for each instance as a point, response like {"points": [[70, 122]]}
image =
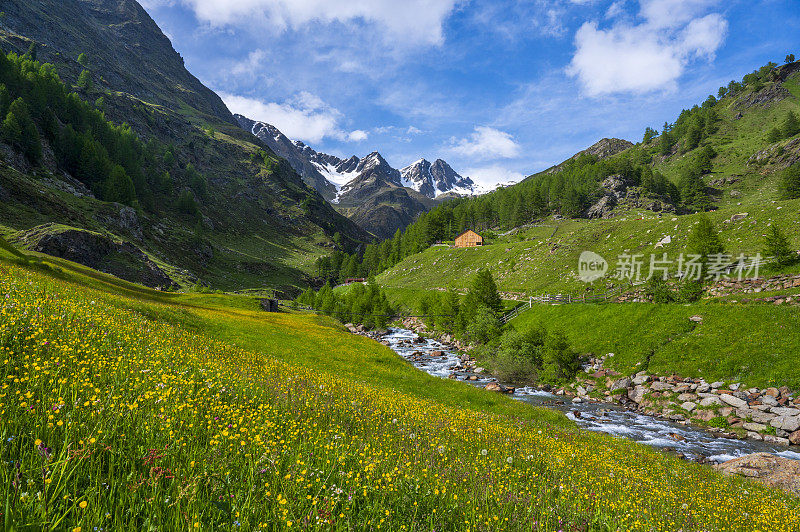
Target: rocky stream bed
{"points": [[772, 461]]}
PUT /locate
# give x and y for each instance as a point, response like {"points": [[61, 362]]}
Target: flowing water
{"points": [[692, 442]]}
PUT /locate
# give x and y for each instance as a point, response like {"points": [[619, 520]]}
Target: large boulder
{"points": [[733, 401], [97, 251], [620, 384], [787, 423], [769, 469], [637, 394]]}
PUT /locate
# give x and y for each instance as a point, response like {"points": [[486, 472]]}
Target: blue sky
{"points": [[499, 89]]}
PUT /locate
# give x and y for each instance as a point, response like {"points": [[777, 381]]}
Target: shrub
{"points": [[689, 292], [658, 289], [560, 362], [484, 326], [777, 245], [790, 182]]}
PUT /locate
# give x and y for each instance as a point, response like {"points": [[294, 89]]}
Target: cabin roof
{"points": [[468, 231]]}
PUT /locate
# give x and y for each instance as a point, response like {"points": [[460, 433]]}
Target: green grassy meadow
{"points": [[128, 409]]}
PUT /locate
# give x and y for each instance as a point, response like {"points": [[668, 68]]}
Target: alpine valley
{"points": [[206, 325]]}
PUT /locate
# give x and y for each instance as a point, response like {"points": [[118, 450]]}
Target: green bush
{"points": [[485, 326], [689, 292], [790, 182], [659, 290], [560, 362]]}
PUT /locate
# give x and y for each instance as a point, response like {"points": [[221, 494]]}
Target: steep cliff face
{"points": [[123, 46]]}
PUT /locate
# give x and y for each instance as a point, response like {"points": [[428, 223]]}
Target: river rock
{"points": [[794, 438], [733, 401], [787, 423], [769, 438], [717, 384], [637, 394], [687, 397], [704, 415], [640, 379], [711, 401], [620, 384], [703, 387], [660, 386], [784, 411], [769, 469], [772, 392], [769, 400], [689, 406], [754, 427]]}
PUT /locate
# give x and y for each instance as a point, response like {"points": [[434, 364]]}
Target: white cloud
{"points": [[359, 135], [672, 13], [489, 177], [306, 117], [251, 64], [648, 56], [410, 21], [486, 142]]}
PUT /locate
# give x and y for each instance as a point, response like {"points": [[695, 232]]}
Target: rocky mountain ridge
{"points": [[368, 190]]}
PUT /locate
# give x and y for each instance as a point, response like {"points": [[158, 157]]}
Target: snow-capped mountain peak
{"points": [[435, 179], [335, 177]]}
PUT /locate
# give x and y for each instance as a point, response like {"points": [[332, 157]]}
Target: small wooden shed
{"points": [[270, 305], [469, 239]]}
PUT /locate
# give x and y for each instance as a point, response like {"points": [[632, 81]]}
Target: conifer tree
{"points": [[776, 245], [790, 182], [85, 81], [791, 125]]}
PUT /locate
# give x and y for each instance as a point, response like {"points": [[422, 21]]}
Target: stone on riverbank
{"points": [[769, 469], [733, 401]]}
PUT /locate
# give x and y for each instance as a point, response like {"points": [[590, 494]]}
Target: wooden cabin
{"points": [[469, 239]]}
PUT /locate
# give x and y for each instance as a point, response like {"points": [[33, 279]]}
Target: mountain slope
{"points": [[213, 203], [301, 162], [378, 197]]}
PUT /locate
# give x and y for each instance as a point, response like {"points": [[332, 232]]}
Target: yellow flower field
{"points": [[115, 419]]}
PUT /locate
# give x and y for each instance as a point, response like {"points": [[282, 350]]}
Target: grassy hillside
{"points": [[212, 203], [755, 345], [150, 410], [544, 259]]}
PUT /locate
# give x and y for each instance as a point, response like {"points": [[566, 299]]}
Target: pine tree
{"points": [[791, 125], [776, 245], [705, 242], [5, 100], [85, 81], [790, 58], [119, 187], [665, 143], [774, 135], [83, 60], [19, 130], [483, 291], [790, 182]]}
